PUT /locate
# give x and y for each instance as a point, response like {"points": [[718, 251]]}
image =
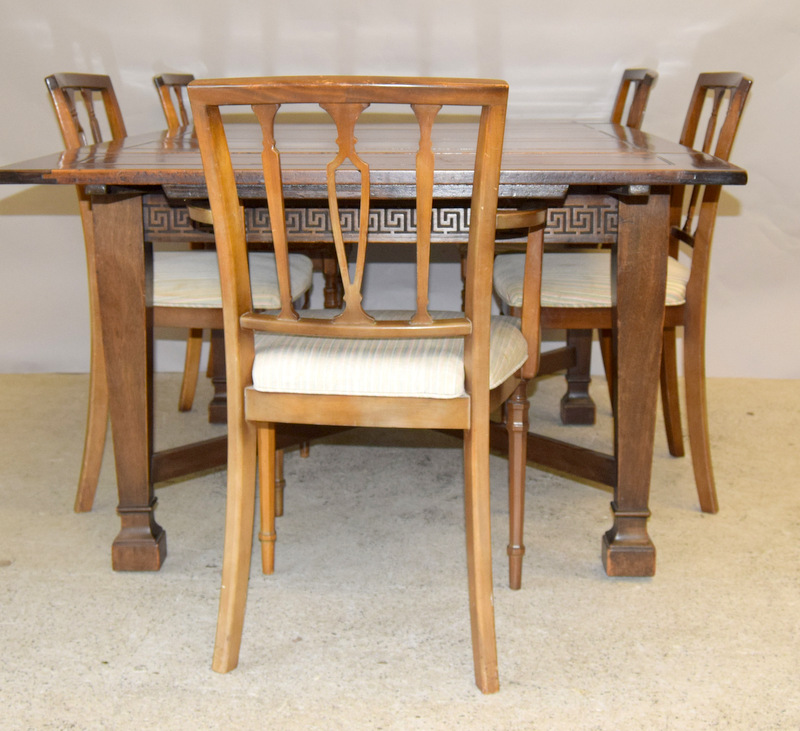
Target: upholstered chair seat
{"points": [[424, 368], [191, 278], [580, 279]]}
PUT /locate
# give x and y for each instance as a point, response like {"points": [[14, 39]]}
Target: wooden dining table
{"points": [[601, 182]]}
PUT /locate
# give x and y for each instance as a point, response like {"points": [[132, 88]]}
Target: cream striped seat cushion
{"points": [[191, 278], [577, 279], [427, 368]]}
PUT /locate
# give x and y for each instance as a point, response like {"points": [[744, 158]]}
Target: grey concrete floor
{"points": [[365, 623]]}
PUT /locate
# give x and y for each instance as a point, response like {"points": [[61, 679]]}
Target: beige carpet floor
{"points": [[365, 623]]}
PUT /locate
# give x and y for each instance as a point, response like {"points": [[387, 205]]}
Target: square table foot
{"points": [[141, 544], [146, 553], [621, 558], [577, 410]]}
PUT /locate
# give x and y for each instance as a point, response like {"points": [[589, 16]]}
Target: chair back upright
{"points": [[641, 81], [716, 107], [69, 92], [175, 105], [81, 123], [348, 176]]}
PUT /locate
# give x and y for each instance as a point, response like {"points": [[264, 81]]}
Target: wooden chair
{"points": [[185, 283], [281, 367], [576, 288], [577, 406], [171, 90], [640, 81], [632, 95]]}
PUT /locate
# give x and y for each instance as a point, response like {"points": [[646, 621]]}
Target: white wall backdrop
{"points": [[560, 62]]}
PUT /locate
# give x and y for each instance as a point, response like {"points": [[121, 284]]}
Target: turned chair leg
{"points": [[280, 482], [577, 406], [517, 428], [268, 459]]}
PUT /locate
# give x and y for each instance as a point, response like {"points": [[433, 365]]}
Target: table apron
{"points": [[579, 219]]}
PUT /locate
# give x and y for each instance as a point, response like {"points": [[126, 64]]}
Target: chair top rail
{"points": [[344, 99]]}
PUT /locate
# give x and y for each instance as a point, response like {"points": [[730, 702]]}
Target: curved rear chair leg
{"points": [[670, 398], [96, 427], [479, 555], [517, 428], [697, 417], [239, 514], [94, 441], [191, 368]]}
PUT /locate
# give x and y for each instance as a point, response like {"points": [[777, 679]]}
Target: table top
{"points": [[541, 158]]}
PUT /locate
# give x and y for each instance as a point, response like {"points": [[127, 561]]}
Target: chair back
{"points": [[171, 90], [716, 107], [348, 176], [641, 81], [74, 97]]}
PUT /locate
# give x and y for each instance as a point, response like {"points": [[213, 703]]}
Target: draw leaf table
{"points": [[602, 182]]}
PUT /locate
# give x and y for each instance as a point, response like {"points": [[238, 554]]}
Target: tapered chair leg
{"points": [[670, 398], [479, 556], [191, 367], [97, 412], [517, 428], [240, 511], [697, 416]]}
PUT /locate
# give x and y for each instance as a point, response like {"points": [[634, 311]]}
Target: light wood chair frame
{"points": [[252, 415]]}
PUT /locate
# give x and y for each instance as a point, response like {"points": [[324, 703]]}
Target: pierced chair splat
{"points": [[358, 366]]}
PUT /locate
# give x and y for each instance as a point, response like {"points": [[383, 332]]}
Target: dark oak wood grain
{"points": [[536, 155], [541, 159]]}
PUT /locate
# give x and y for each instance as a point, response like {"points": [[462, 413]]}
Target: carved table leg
{"points": [[141, 544], [640, 263]]}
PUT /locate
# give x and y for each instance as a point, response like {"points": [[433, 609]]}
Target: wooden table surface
{"points": [[536, 154], [553, 160]]}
